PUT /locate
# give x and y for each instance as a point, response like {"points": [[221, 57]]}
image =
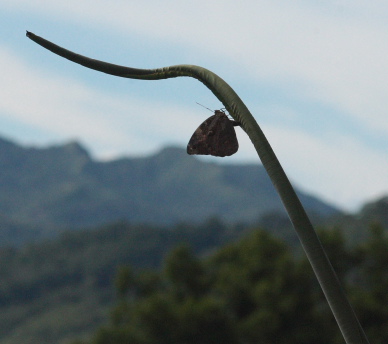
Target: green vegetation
{"points": [[252, 291], [59, 290]]}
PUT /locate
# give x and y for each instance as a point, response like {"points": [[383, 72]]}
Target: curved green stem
{"points": [[342, 310]]}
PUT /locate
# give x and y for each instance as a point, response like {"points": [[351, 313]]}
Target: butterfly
{"points": [[215, 136]]}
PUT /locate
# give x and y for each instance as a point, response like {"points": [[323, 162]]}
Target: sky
{"points": [[314, 74]]}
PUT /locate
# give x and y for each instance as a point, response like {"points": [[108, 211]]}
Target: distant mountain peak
{"points": [[8, 145], [377, 209], [75, 149], [168, 152]]}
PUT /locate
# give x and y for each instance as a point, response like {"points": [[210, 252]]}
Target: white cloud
{"points": [[332, 53], [70, 109], [338, 169], [47, 102]]}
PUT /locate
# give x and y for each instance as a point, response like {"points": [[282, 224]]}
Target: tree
{"points": [[371, 297], [253, 291]]}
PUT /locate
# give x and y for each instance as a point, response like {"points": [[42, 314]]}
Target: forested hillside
{"points": [[64, 289], [252, 291]]}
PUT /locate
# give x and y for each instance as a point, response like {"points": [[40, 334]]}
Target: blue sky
{"points": [[313, 73]]}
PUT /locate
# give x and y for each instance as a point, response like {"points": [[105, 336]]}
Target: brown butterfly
{"points": [[216, 136]]}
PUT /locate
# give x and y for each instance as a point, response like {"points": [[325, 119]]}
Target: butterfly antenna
{"points": [[205, 107]]}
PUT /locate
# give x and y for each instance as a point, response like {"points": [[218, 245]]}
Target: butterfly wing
{"points": [[215, 136]]}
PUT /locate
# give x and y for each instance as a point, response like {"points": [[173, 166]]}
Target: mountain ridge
{"points": [[62, 187]]}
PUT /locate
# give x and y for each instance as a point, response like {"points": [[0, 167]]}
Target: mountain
{"points": [[46, 190], [356, 226]]}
